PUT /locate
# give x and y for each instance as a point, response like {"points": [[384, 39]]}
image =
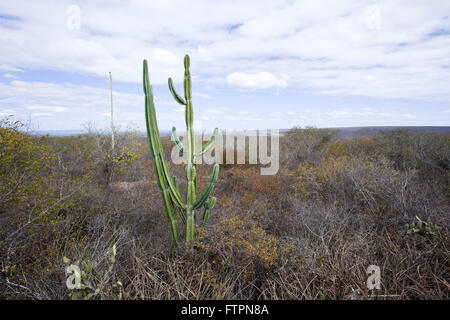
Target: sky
{"points": [[255, 64]]}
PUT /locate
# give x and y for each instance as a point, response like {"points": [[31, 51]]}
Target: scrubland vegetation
{"points": [[335, 207]]}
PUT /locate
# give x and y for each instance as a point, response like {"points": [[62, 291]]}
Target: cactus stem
{"points": [[178, 143]]}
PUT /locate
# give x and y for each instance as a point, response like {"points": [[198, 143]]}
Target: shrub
{"points": [[300, 145], [239, 243], [25, 161], [360, 184]]}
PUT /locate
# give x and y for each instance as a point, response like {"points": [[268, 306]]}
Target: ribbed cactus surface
{"points": [[174, 205]]}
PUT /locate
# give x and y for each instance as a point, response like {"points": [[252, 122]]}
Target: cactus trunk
{"points": [[191, 173]]}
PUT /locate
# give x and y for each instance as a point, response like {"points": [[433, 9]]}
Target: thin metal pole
{"points": [[112, 114]]}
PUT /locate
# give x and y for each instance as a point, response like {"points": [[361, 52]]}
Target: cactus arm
{"points": [[175, 182], [195, 181], [154, 139], [170, 213], [206, 214], [175, 95], [148, 106], [177, 140], [168, 204], [180, 209], [208, 206], [158, 161], [209, 143], [182, 214], [174, 192], [202, 199]]}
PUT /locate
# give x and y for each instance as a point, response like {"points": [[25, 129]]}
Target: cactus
{"points": [[424, 228], [173, 202]]}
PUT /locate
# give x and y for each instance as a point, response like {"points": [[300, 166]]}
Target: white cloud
{"points": [[165, 103], [46, 108], [217, 111], [261, 80], [368, 114], [38, 99], [10, 76], [201, 95], [204, 54], [377, 49], [41, 114], [7, 67]]}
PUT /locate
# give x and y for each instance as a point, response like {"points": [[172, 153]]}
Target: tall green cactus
{"points": [[173, 202]]}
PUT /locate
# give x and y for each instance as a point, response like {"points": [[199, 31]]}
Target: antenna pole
{"points": [[112, 114]]}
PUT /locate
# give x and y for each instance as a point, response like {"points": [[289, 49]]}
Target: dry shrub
{"points": [[360, 184], [25, 162], [260, 197], [176, 275], [239, 243], [300, 145], [249, 180]]}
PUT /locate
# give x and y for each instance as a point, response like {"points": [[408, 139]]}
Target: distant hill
{"points": [[370, 131], [343, 132], [59, 133], [67, 133]]}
